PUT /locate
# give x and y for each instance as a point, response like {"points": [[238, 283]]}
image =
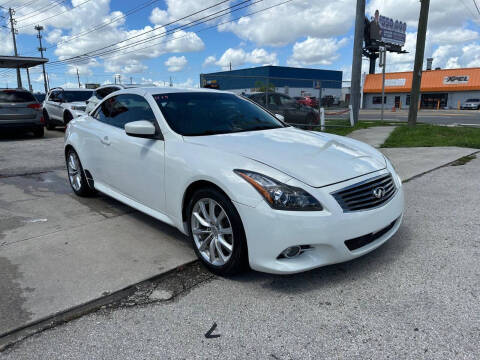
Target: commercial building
{"points": [[440, 89], [288, 80]]}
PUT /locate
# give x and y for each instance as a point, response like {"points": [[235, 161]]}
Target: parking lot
{"points": [[437, 117], [415, 297]]}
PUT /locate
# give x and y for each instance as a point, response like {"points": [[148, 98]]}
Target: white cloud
{"points": [[54, 36], [176, 63], [454, 36], [315, 51], [239, 57], [284, 24], [159, 17], [6, 41], [210, 60]]}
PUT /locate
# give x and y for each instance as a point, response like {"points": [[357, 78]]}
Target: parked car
{"points": [[105, 90], [293, 112], [307, 101], [471, 104], [245, 187], [62, 105], [40, 97], [19, 110]]}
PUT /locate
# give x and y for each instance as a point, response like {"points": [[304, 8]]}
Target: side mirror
{"points": [[280, 117], [141, 128]]}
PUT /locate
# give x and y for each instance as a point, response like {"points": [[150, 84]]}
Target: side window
{"points": [[53, 95], [121, 109]]}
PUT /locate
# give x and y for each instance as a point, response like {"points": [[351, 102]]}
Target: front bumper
{"points": [[269, 231]]}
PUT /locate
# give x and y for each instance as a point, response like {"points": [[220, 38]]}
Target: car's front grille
{"points": [[367, 194], [361, 241]]}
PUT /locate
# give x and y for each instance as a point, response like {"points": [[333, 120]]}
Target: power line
{"points": [[50, 17], [24, 5], [173, 39], [44, 8], [468, 9], [102, 25], [476, 6], [96, 53]]}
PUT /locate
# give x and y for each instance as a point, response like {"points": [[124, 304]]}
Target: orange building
{"points": [[441, 89]]}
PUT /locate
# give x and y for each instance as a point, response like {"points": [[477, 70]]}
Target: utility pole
{"points": [[39, 28], [29, 82], [14, 31], [171, 83], [230, 66], [357, 60], [417, 70], [78, 79], [383, 65], [131, 80]]}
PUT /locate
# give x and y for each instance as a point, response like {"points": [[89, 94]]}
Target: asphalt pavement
{"points": [[438, 117], [416, 297]]}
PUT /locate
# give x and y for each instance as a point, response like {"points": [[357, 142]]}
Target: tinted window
{"points": [[194, 114], [121, 109], [71, 96], [101, 93], [40, 97], [15, 96], [285, 100], [53, 95], [378, 100], [473, 100]]}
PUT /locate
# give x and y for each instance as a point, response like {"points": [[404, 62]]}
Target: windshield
{"points": [[194, 114], [72, 96], [15, 96]]}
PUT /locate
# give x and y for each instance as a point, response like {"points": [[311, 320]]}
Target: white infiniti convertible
{"points": [[244, 186]]}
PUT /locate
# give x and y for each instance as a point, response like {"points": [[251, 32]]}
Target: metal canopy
{"points": [[13, 62]]}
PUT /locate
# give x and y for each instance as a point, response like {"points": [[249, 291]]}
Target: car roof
{"points": [[167, 90]]}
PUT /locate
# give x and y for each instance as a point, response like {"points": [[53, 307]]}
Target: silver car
{"points": [[20, 111], [471, 104]]}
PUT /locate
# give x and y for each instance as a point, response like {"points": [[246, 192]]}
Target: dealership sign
{"points": [[387, 30], [451, 80], [395, 82]]}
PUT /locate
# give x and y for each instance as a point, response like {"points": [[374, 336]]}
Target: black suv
{"points": [[292, 111]]}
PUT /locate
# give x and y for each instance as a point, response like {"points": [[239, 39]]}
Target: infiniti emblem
{"points": [[379, 192]]}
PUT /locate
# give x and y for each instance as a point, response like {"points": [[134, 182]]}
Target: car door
{"points": [[134, 165], [53, 105], [294, 112]]}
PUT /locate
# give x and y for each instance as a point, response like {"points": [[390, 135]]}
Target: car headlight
{"points": [[278, 195]]}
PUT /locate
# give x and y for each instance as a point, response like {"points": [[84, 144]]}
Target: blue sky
{"points": [[315, 34]]}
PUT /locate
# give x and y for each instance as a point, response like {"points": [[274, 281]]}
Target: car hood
{"points": [[78, 103], [317, 159]]}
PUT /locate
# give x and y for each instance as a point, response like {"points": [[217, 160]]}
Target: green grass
{"points": [[433, 135], [342, 127], [464, 160]]}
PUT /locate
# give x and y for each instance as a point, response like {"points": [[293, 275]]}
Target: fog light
{"points": [[291, 251]]}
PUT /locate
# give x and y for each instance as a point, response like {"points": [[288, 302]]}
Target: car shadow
{"points": [[14, 135]]}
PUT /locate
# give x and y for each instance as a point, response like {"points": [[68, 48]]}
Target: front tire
{"points": [[46, 117], [216, 232], [76, 175], [38, 132]]}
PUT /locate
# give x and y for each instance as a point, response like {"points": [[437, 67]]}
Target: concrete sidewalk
{"points": [[58, 251], [413, 161]]}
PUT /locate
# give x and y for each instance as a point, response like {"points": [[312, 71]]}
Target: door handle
{"points": [[105, 140]]}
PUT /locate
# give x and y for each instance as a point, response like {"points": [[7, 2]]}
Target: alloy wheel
{"points": [[212, 231], [74, 174]]}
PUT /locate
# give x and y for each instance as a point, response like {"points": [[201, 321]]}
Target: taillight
{"points": [[35, 106], [42, 120]]}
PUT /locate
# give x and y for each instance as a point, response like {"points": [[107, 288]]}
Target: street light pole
{"points": [[39, 28], [12, 25], [417, 70], [357, 59]]}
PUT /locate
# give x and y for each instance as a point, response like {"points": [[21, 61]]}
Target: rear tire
{"points": [[76, 175], [48, 125], [223, 239], [67, 117], [39, 132]]}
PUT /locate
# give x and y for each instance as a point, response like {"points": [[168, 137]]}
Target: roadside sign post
{"points": [[317, 84], [383, 60]]}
